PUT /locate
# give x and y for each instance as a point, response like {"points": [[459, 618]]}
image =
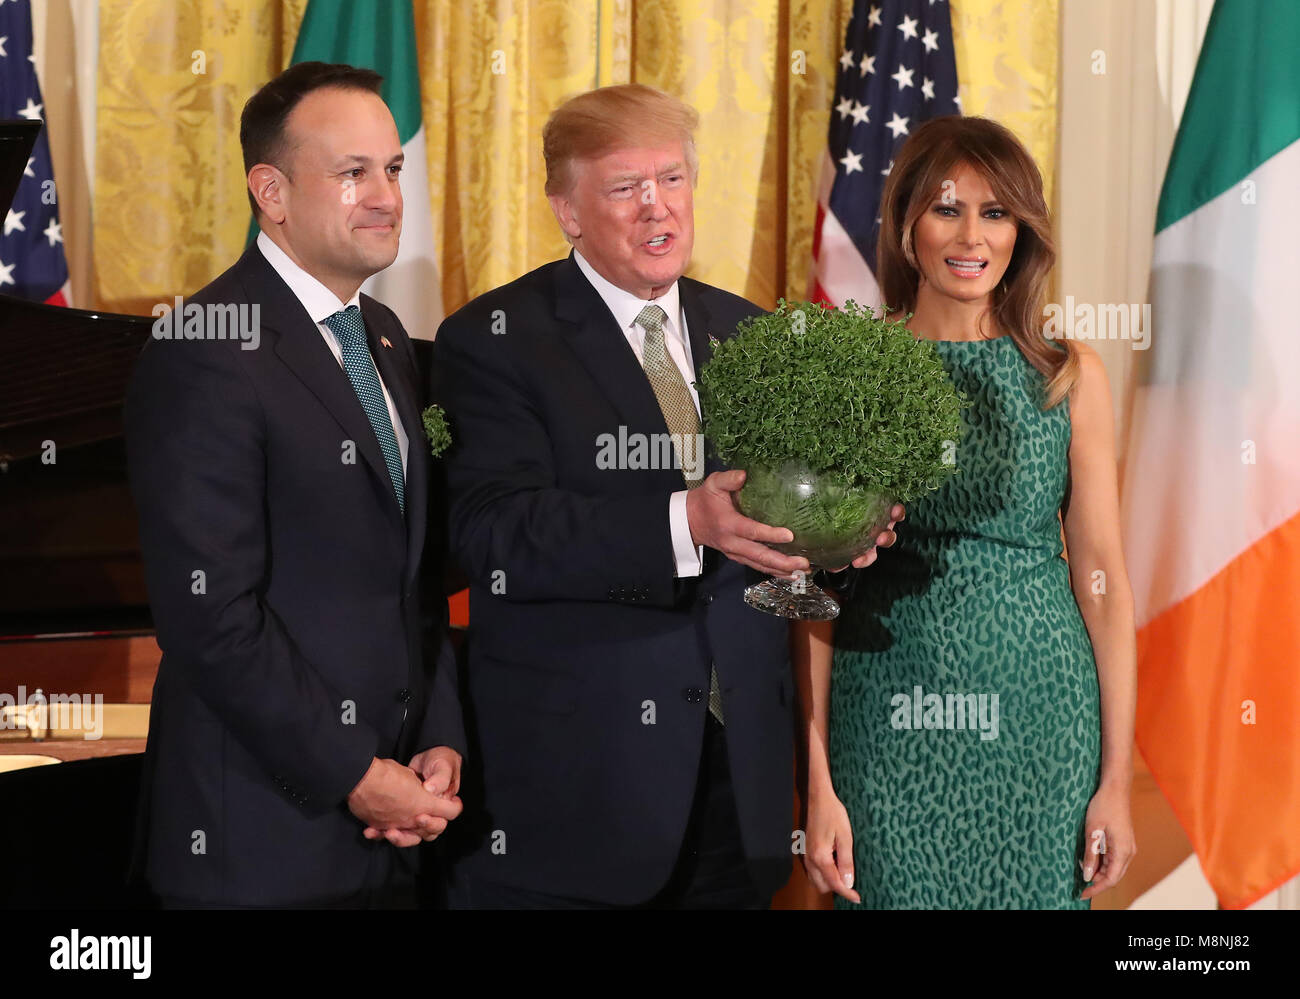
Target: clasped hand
{"points": [[410, 804]]}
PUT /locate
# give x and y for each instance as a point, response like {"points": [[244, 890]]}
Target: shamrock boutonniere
{"points": [[435, 429], [713, 342]]}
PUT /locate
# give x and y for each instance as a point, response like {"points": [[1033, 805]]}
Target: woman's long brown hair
{"points": [[935, 152]]}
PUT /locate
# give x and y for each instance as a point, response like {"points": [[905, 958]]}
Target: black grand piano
{"points": [[69, 556], [74, 615]]}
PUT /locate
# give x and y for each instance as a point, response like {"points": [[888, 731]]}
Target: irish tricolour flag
{"points": [[1211, 486], [381, 36]]}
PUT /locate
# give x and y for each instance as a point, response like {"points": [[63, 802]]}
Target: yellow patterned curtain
{"points": [[1007, 54], [170, 211], [170, 208], [491, 71]]}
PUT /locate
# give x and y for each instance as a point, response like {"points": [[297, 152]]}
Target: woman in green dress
{"points": [[968, 719]]}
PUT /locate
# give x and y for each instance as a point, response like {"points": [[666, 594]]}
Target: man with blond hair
{"points": [[632, 717]]}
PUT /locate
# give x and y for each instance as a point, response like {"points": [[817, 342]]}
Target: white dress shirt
{"points": [[688, 558], [321, 303]]}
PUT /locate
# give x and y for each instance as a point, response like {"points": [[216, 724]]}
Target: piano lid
{"points": [[63, 372]]}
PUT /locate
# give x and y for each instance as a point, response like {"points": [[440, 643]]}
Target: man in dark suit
{"points": [[305, 721], [632, 717]]}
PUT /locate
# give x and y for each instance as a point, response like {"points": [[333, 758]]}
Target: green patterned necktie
{"points": [[350, 329], [669, 386], [678, 408]]}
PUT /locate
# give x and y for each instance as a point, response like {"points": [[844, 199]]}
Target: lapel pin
{"points": [[384, 341]]}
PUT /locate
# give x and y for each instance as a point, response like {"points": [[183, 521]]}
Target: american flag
{"points": [[897, 70], [32, 264]]}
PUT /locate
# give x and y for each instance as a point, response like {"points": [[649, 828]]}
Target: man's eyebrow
{"points": [[357, 158], [632, 175]]}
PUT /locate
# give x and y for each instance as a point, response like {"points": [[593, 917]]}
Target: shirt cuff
{"points": [[687, 558]]}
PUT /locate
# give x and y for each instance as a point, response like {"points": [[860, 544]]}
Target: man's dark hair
{"points": [[261, 126]]}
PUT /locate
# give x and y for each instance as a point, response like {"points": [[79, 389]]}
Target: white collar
{"points": [[626, 306], [319, 301]]}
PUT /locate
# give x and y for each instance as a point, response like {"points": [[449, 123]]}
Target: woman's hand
{"points": [[1109, 843], [885, 539], [828, 856]]}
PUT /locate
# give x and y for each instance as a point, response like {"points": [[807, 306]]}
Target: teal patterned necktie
{"points": [[348, 326]]}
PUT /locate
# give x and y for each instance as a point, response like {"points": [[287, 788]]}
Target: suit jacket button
{"points": [[403, 696], [693, 695], [707, 598]]}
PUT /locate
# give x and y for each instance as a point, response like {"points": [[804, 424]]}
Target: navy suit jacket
{"points": [[305, 647], [588, 661]]}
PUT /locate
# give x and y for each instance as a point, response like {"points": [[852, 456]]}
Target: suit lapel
{"points": [[697, 323], [299, 344], [700, 333], [600, 345], [399, 383]]}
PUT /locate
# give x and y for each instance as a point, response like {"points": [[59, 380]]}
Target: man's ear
{"points": [[268, 187], [565, 214]]}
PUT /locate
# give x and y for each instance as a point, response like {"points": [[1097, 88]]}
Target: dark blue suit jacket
{"points": [[309, 649], [588, 664]]}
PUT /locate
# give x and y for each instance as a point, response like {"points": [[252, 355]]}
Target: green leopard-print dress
{"points": [[970, 802]]}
